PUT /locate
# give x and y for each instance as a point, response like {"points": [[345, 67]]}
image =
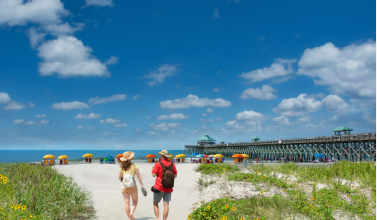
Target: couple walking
{"points": [[164, 170]]}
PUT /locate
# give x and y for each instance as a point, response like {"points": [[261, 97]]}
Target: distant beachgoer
{"points": [[127, 173], [166, 172]]}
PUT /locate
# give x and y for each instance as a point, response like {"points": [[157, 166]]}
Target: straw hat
{"points": [[127, 156], [164, 153]]}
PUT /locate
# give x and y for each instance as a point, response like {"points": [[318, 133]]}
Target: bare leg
{"points": [[134, 204], [166, 210], [127, 203], [156, 211]]}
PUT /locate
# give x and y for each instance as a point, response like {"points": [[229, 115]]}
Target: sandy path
{"points": [[102, 181]]}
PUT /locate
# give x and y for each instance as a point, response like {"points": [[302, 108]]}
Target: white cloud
{"points": [[110, 133], [18, 121], [281, 67], [194, 132], [113, 98], [68, 57], [90, 116], [153, 133], [304, 119], [149, 117], [218, 119], [204, 114], [31, 123], [173, 131], [56, 30], [265, 93], [110, 120], [139, 129], [137, 97], [100, 3], [282, 120], [216, 13], [335, 103], [173, 116], [164, 126], [42, 122], [113, 60], [4, 97], [349, 71], [216, 89], [234, 125], [88, 128], [35, 37], [298, 106], [69, 105], [249, 115], [209, 110], [120, 125], [194, 101], [31, 105], [159, 76], [13, 105], [20, 12]]}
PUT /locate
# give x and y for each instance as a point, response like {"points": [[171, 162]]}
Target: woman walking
{"points": [[127, 173]]}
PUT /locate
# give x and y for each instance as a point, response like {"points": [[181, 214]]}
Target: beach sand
{"points": [[103, 183]]}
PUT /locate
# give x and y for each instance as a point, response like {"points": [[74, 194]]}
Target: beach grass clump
{"points": [[260, 178], [216, 168], [262, 208], [43, 192], [341, 173]]}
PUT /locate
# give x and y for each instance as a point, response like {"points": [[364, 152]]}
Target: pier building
{"points": [[353, 147]]}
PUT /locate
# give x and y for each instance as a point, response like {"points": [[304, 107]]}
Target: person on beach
{"points": [[128, 168], [166, 172]]}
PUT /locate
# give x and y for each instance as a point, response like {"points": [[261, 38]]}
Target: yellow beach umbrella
{"points": [[218, 155], [62, 157], [49, 156], [245, 155], [180, 156], [88, 155]]}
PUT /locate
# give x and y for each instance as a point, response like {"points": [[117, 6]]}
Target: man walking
{"points": [[166, 172]]}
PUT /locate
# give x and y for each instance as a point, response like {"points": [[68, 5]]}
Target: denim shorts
{"points": [[158, 196]]}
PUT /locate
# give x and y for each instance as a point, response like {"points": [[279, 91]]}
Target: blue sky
{"points": [[110, 74]]}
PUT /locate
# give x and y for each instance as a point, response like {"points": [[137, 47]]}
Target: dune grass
{"points": [[43, 192], [349, 193]]}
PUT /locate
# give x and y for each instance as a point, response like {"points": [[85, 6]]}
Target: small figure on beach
{"points": [[166, 172], [127, 173]]}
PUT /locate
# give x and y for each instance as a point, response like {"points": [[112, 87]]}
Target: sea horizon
{"points": [[13, 156]]}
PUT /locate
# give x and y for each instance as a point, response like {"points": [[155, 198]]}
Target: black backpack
{"points": [[167, 175]]}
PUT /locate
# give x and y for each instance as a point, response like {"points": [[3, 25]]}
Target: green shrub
{"points": [[43, 191]]}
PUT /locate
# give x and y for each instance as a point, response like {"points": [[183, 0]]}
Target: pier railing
{"points": [[358, 146]]}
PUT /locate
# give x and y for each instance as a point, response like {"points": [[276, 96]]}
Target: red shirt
{"points": [[157, 169]]}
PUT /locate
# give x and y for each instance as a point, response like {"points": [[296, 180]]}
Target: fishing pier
{"points": [[353, 147]]}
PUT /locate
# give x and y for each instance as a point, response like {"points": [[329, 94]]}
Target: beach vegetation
{"points": [[211, 168], [41, 192], [302, 192]]}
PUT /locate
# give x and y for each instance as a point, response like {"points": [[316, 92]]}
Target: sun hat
{"points": [[164, 153], [127, 156]]}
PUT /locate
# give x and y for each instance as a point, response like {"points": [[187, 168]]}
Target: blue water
{"points": [[22, 156]]}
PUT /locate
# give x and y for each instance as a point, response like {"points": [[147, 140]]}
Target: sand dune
{"points": [[102, 181]]}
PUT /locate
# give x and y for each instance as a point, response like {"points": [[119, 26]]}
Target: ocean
{"points": [[75, 156]]}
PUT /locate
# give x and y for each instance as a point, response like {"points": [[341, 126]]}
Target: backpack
{"points": [[128, 179], [167, 175]]}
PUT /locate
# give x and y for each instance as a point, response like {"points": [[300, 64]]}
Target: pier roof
{"points": [[255, 138], [206, 138], [343, 128]]}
